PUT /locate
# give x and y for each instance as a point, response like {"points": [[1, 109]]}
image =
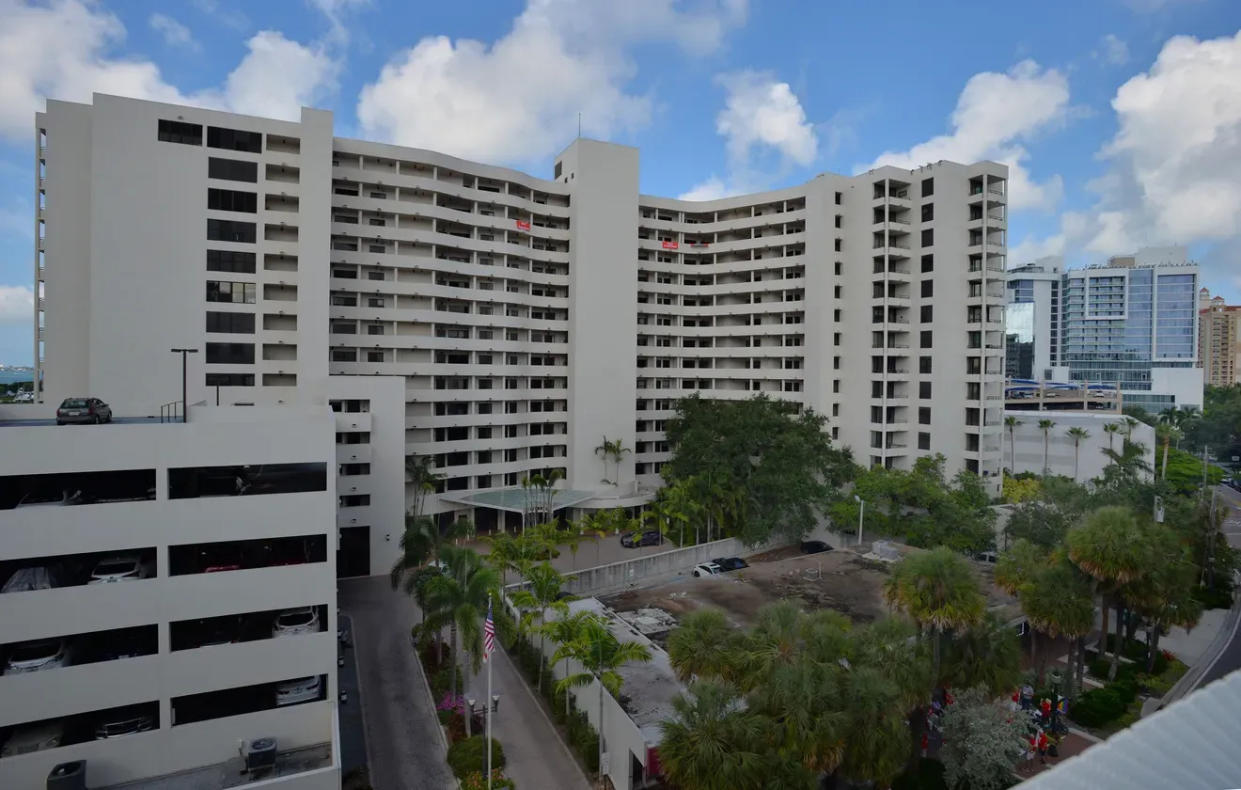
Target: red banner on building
{"points": [[523, 225], [671, 245]]}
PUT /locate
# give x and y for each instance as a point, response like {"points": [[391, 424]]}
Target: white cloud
{"points": [[65, 50], [995, 113], [1174, 166], [517, 99], [16, 304], [1112, 50], [761, 111], [175, 34], [335, 11], [1151, 6], [711, 189]]}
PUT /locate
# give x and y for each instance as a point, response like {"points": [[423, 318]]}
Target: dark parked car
{"points": [[83, 410], [814, 547], [634, 539], [731, 563]]}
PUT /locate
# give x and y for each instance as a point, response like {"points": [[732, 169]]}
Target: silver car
{"points": [[119, 569], [83, 410], [292, 692], [296, 621], [35, 656]]}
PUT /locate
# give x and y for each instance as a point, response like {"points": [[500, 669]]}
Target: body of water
{"points": [[10, 376]]}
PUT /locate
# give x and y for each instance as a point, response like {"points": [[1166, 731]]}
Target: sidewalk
{"points": [[536, 756]]}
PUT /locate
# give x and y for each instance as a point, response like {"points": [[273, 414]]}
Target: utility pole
{"points": [[184, 403]]}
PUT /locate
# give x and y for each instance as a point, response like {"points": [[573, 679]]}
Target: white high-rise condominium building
{"points": [[167, 595], [527, 318], [1131, 322]]}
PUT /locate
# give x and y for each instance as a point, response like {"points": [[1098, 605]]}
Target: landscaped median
{"points": [[1118, 703]]}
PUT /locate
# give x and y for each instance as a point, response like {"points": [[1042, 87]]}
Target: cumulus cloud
{"points": [[65, 50], [1174, 165], [517, 99], [765, 131], [16, 304], [995, 114], [175, 34], [1112, 50]]}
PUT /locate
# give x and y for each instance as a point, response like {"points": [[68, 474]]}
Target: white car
{"points": [[292, 692], [34, 738], [296, 621], [35, 656], [119, 569], [707, 569]]}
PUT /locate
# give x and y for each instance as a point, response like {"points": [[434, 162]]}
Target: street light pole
{"points": [[184, 404]]}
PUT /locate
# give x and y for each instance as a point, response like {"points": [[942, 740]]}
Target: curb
{"points": [[1194, 676], [426, 686]]}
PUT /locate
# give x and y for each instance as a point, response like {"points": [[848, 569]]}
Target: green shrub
{"points": [[470, 756], [1217, 597], [1132, 649], [1098, 707]]}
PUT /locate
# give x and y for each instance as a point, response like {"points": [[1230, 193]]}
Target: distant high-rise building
{"points": [[1132, 321], [1219, 340]]}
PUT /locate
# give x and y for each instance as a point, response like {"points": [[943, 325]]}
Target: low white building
{"points": [[1079, 458], [219, 626]]}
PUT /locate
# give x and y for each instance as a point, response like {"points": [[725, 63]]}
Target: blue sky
{"points": [[1121, 119]]}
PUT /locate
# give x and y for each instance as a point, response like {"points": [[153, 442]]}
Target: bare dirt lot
{"points": [[839, 580]]}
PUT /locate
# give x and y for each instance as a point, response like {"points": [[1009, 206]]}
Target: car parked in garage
{"points": [[292, 692], [34, 738], [296, 621], [38, 655], [83, 410], [125, 568], [123, 721]]}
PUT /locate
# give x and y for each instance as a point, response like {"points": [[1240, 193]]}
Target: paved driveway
{"points": [[402, 731]]}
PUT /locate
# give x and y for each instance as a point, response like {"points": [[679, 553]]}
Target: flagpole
{"points": [[489, 702]]}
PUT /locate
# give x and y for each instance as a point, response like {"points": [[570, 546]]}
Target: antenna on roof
{"points": [[579, 126]]}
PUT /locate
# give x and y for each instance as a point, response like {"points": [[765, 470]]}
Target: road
{"points": [[591, 553], [403, 734], [1230, 659], [536, 756]]}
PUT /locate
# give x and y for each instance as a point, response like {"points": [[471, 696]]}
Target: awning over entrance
{"points": [[518, 500]]}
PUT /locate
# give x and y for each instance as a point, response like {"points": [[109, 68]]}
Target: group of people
{"points": [[1046, 725]]}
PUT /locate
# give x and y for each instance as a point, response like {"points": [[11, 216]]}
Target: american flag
{"points": [[489, 634]]}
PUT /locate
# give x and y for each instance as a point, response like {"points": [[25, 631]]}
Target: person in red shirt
{"points": [[1042, 747]]}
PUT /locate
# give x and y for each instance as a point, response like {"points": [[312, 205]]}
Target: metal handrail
{"points": [[171, 411]]}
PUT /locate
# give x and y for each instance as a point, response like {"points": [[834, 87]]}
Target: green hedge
{"points": [[470, 756], [1217, 597], [1099, 706]]}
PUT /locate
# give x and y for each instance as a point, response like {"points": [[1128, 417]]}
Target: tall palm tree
{"points": [[1129, 424], [1011, 423], [704, 646], [1166, 433], [1109, 548], [420, 543], [458, 599], [613, 450], [421, 480], [939, 591], [566, 631], [774, 641], [1056, 602], [541, 594], [987, 654], [1045, 426], [1077, 434], [1111, 429], [713, 739]]}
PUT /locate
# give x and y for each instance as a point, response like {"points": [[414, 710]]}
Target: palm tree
{"points": [[714, 740], [541, 593], [1056, 602], [419, 545], [601, 654], [566, 631], [939, 590], [613, 450], [421, 480], [1130, 424], [505, 555], [1109, 548], [1111, 429], [1045, 426], [774, 641], [458, 599], [1166, 433], [987, 654], [704, 646], [1011, 423], [1077, 434]]}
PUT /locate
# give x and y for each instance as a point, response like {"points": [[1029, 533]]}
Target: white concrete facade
{"points": [[1066, 456], [168, 525], [529, 318]]}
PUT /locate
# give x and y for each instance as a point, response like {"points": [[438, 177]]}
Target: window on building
{"points": [[180, 132], [232, 169], [928, 237], [928, 187], [234, 139], [840, 267], [235, 323], [230, 354], [248, 480], [924, 364], [924, 339], [230, 379], [838, 220], [232, 200], [230, 230], [928, 289], [924, 415], [928, 212], [230, 261], [838, 198], [924, 441], [924, 390], [928, 263], [837, 245], [926, 314], [224, 291]]}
